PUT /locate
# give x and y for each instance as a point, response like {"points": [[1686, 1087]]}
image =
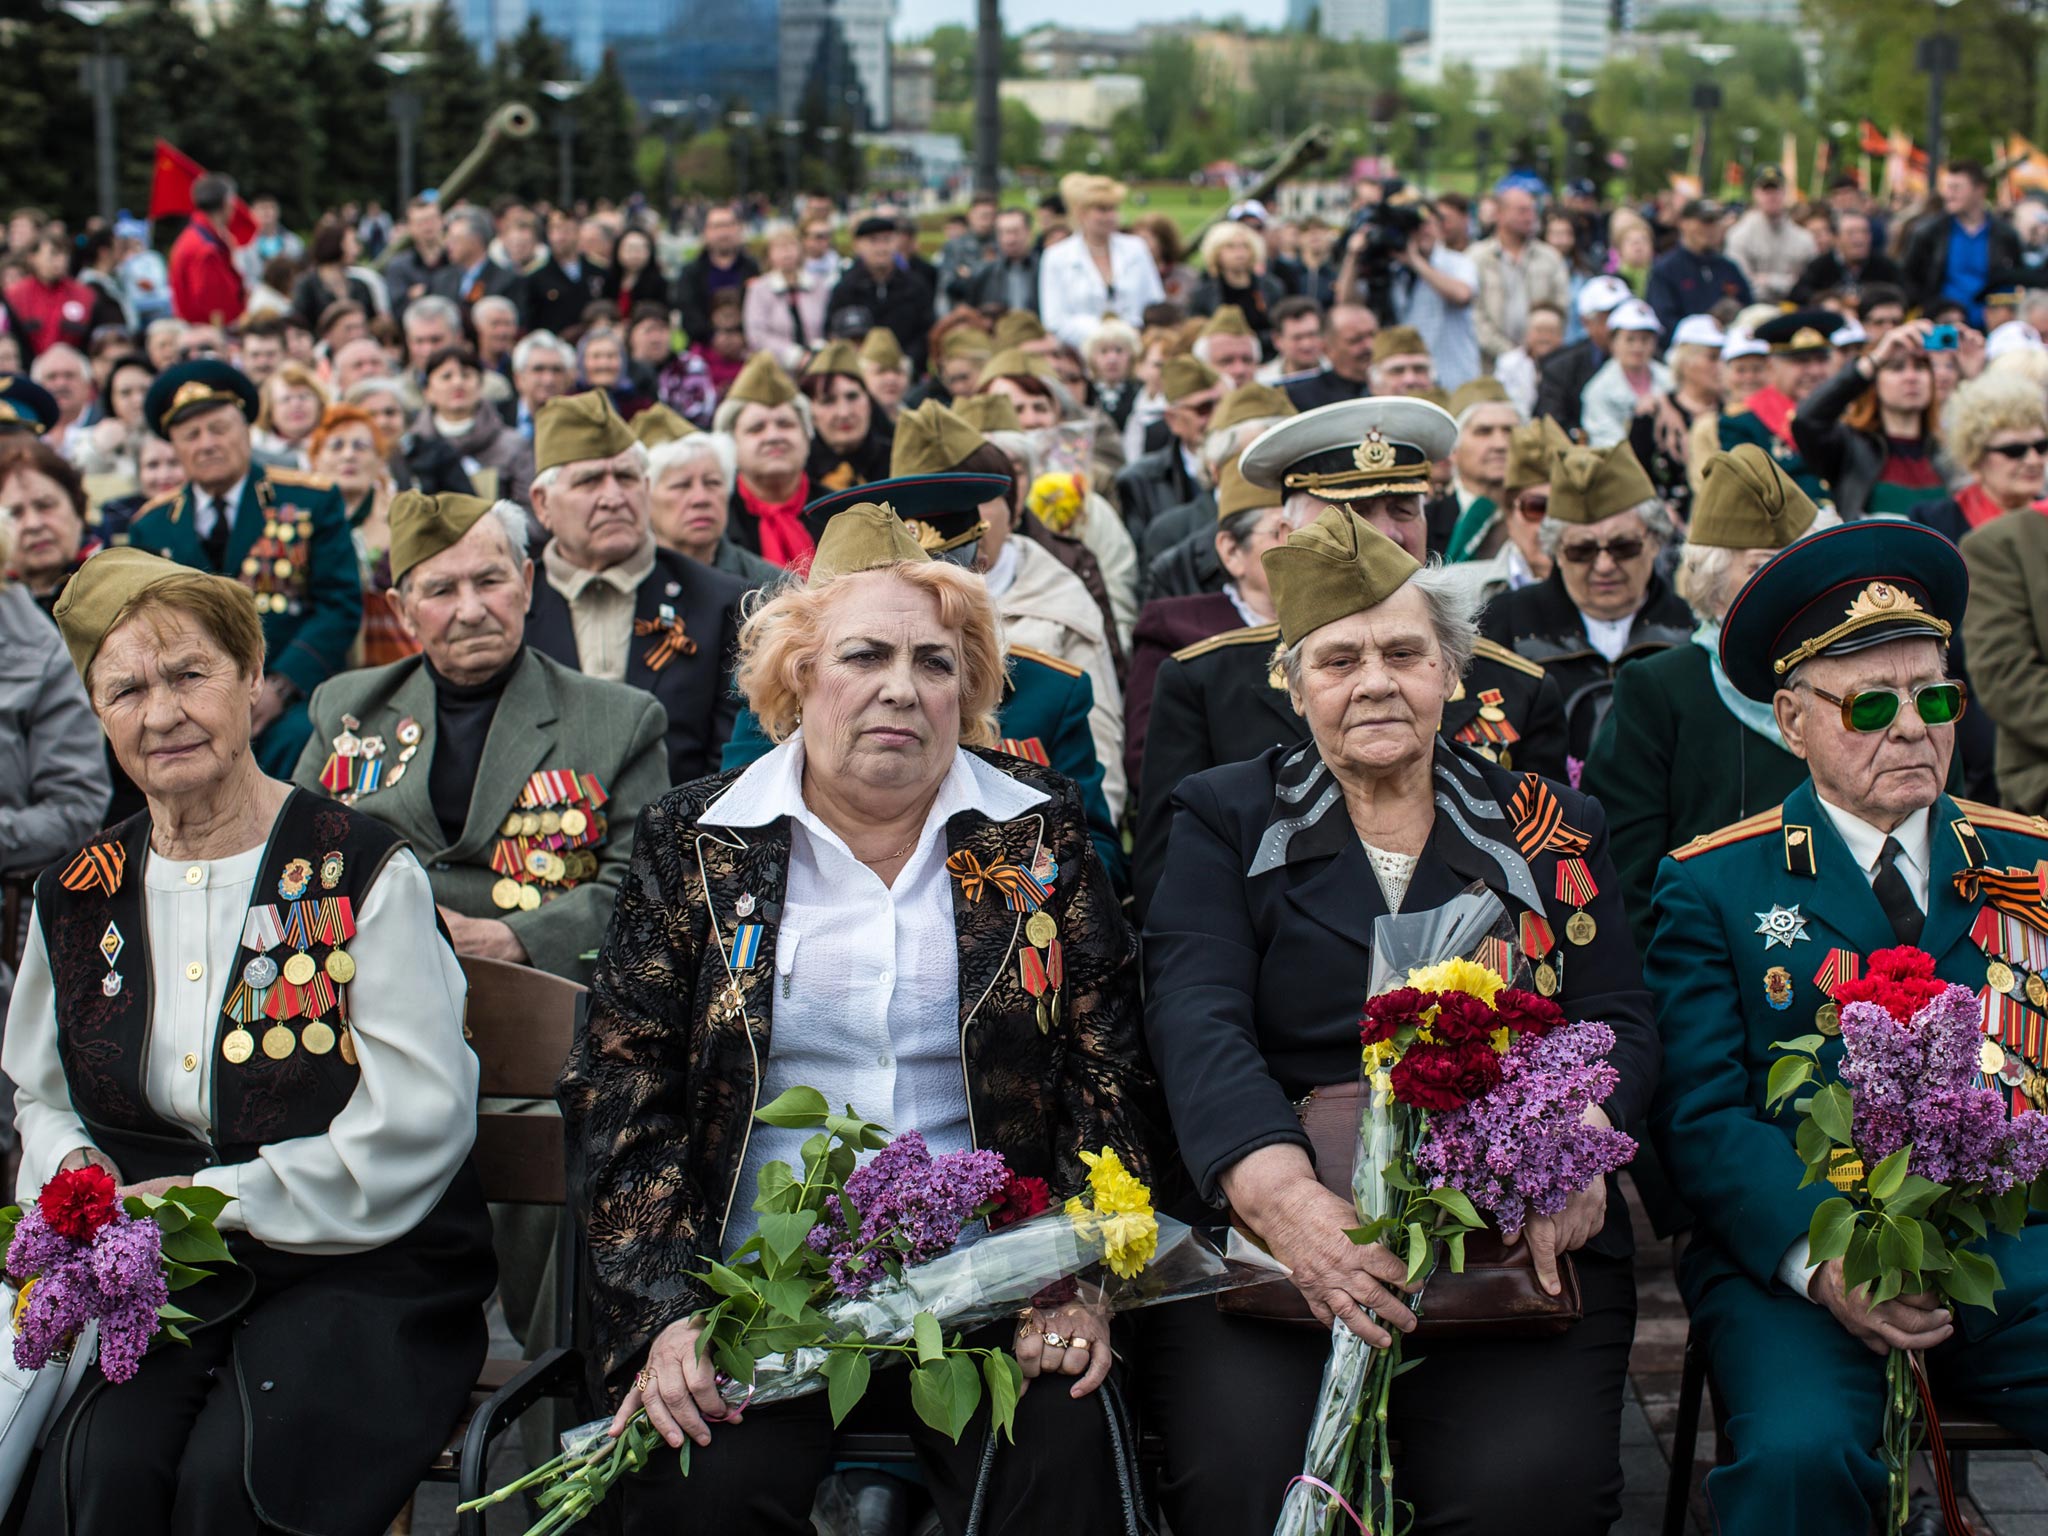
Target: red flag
{"points": [[1871, 141], [170, 192]]}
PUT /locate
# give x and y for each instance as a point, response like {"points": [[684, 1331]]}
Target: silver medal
{"points": [[260, 972]]}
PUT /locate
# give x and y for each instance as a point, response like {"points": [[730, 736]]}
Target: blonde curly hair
{"points": [[1984, 407]]}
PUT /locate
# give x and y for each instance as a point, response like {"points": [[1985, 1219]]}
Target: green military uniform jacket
{"points": [[1747, 427], [1718, 976], [289, 545], [549, 717]]}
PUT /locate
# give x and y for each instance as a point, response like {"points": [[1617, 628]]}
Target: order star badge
{"points": [[1781, 925]]}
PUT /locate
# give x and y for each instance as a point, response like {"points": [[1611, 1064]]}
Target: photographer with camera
{"points": [[1397, 260], [1516, 269]]}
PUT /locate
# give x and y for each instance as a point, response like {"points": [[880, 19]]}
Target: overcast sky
{"points": [[914, 18]]}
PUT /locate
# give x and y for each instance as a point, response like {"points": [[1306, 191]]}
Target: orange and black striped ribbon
{"points": [[1575, 882], [1539, 821], [100, 866], [1841, 967], [1020, 891], [673, 642], [2015, 892]]}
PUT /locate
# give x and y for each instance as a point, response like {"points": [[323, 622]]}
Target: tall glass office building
{"points": [[728, 51]]}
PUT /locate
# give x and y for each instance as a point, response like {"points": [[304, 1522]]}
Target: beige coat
{"points": [[2005, 639], [1545, 275]]}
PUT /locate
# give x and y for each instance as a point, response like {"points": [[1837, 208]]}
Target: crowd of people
{"points": [[709, 631]]}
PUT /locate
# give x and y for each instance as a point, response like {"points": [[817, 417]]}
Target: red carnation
{"points": [[1461, 1017], [1020, 1200], [1445, 1076], [1391, 1012], [1900, 980], [1526, 1013], [77, 1204]]}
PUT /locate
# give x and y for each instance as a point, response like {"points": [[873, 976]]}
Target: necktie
{"points": [[215, 539], [1895, 896]]}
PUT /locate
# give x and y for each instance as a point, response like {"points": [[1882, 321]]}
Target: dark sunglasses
{"points": [[1874, 709], [2021, 450], [1586, 551], [1534, 507]]}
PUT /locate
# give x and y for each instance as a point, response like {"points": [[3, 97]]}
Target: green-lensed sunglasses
{"points": [[1875, 709]]}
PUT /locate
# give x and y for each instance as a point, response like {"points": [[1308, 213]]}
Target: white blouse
{"points": [[389, 1154], [1072, 297], [867, 976]]}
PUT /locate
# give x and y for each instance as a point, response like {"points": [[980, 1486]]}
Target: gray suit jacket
{"points": [[549, 718]]}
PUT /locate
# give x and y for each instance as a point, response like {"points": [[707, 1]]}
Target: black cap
{"points": [[186, 389], [874, 224], [1769, 176], [2009, 285], [942, 512], [1700, 208], [1799, 331], [1839, 591], [25, 406]]}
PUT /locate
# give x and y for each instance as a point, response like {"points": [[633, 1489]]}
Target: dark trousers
{"points": [[762, 1476], [1520, 1435], [160, 1455]]}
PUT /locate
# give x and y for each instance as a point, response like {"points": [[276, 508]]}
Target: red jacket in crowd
{"points": [[52, 312], [205, 287]]}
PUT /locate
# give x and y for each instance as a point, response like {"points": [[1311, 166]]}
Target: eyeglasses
{"points": [[1874, 709], [1586, 551], [2018, 451], [1533, 507]]}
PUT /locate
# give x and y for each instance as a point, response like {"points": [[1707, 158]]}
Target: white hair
{"points": [[1201, 349], [491, 303], [167, 325], [57, 351], [434, 306], [1110, 332], [512, 522], [697, 445], [1020, 450], [1704, 569], [546, 479], [537, 341], [1656, 522], [1465, 416], [1453, 615], [380, 384], [726, 418]]}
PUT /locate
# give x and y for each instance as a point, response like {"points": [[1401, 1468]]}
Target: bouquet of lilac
{"points": [[1924, 1156], [905, 1206]]}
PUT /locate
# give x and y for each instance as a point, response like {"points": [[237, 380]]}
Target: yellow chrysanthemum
{"points": [[1381, 1056], [1458, 976], [1113, 1187], [1118, 1212], [1129, 1239], [21, 1303]]}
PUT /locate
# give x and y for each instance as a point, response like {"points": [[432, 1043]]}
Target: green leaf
{"points": [[734, 1361], [945, 1392], [931, 1343], [726, 1282], [1418, 1251], [776, 1188], [788, 1296], [1789, 1074], [1889, 1176], [1834, 1223], [1888, 1286], [1454, 1247], [1455, 1201], [197, 1245], [171, 1314], [202, 1201], [1967, 1215], [796, 1109], [1914, 1198], [846, 1380], [1900, 1245], [1860, 1264], [1394, 1178], [1833, 1113], [1005, 1380], [1805, 1045], [180, 1276], [1935, 1256], [1974, 1280], [2037, 1197], [784, 1233], [685, 1456], [171, 1218], [2009, 1211]]}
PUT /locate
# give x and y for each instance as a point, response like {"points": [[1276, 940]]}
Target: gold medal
{"points": [[238, 1046], [1828, 1020], [510, 828], [1492, 712], [505, 894], [278, 1042], [1040, 928], [298, 971], [529, 899], [348, 1045], [1580, 927], [2037, 991], [1546, 979], [529, 824], [550, 823], [1990, 1058], [341, 968], [2000, 976], [574, 822], [317, 1038]]}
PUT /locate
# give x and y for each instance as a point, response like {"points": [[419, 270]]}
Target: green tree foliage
{"points": [[607, 130], [953, 62]]}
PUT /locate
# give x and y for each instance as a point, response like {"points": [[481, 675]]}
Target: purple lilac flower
{"points": [[63, 1299], [124, 1339], [127, 1261], [911, 1206], [117, 1281], [1524, 1149], [35, 1247]]}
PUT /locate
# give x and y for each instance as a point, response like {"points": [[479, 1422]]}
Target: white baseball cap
{"points": [[1250, 208], [1741, 344], [1699, 331], [1601, 294], [2013, 336], [1850, 333], [1634, 315]]}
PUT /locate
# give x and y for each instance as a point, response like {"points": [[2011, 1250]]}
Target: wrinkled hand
{"points": [[683, 1393], [1918, 1321], [150, 1187], [483, 938], [1338, 1278], [1074, 1322]]}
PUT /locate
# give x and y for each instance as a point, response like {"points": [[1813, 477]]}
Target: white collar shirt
{"points": [[209, 510], [1866, 845]]}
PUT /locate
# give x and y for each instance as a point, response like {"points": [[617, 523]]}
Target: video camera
{"points": [[1379, 233]]}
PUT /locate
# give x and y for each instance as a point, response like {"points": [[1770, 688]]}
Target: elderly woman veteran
{"points": [[1258, 945], [889, 976], [243, 987]]}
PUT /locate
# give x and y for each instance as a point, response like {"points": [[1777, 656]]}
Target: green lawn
{"points": [[1190, 207]]}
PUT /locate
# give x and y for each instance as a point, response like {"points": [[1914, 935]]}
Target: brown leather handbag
{"points": [[1497, 1295]]}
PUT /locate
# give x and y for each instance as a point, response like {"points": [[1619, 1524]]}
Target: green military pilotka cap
{"points": [[989, 413], [659, 424], [1747, 502], [1251, 402], [1398, 341], [1588, 485], [1337, 566], [1228, 320], [1013, 363], [1018, 327], [1484, 390], [931, 440], [880, 349], [106, 587], [833, 357], [571, 428], [1185, 375], [1235, 494], [862, 538], [966, 342], [423, 526], [763, 381], [1532, 448]]}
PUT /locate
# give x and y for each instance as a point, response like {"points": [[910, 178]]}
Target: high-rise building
{"points": [[1371, 21], [715, 54], [1563, 36], [823, 40]]}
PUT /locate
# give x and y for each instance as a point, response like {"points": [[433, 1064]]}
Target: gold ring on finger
{"points": [[1081, 1344], [644, 1381]]}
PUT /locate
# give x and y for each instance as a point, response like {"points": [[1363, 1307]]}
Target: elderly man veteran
{"points": [[1844, 634], [613, 604], [518, 780]]}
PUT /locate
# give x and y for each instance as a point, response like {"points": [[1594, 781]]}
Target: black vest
{"points": [[270, 1093]]}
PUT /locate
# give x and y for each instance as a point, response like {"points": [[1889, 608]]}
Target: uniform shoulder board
{"points": [[1759, 825], [298, 477], [1493, 650], [160, 501], [2003, 820], [1257, 634], [1044, 659]]}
